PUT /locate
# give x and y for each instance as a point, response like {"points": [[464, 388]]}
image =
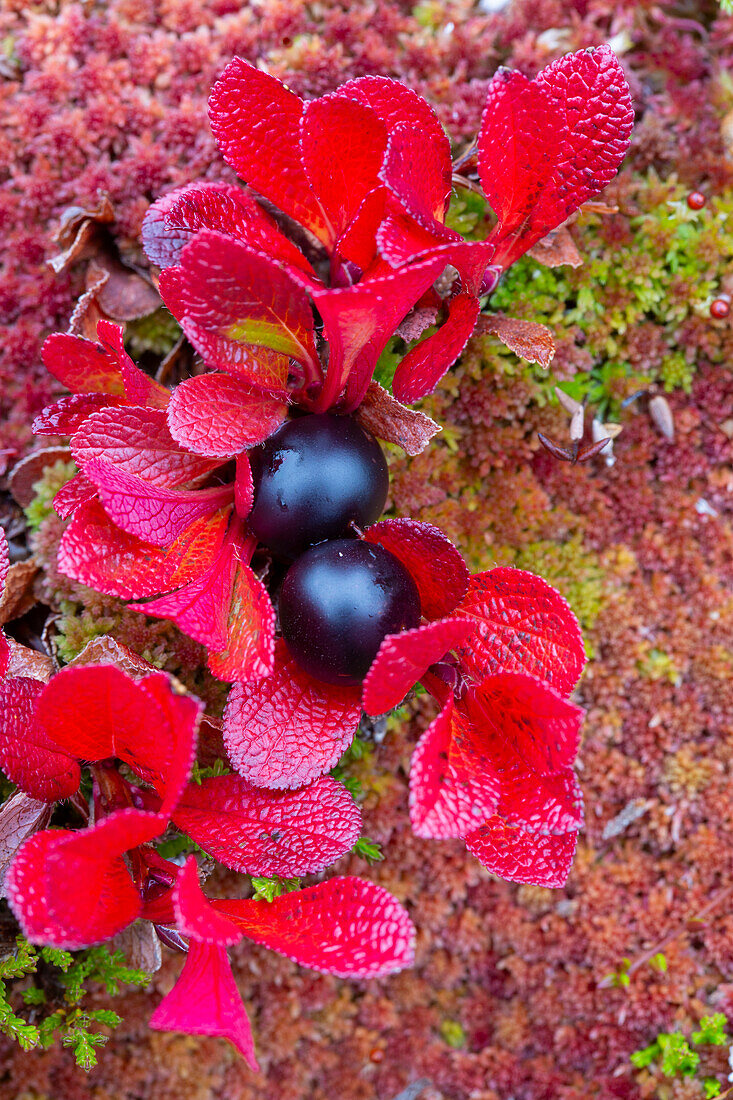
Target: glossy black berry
{"points": [[338, 601], [312, 478]]}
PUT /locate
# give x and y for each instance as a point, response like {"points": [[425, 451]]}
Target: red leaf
{"points": [[431, 559], [231, 292], [550, 805], [523, 625], [201, 608], [423, 367], [257, 365], [4, 560], [449, 796], [256, 122], [359, 320], [151, 512], [342, 145], [248, 651], [219, 415], [172, 221], [138, 442], [395, 104], [383, 415], [69, 413], [198, 548], [521, 856], [267, 833], [205, 1001], [28, 755], [526, 720], [82, 365], [195, 916], [140, 388], [547, 145], [244, 489], [347, 926], [287, 729], [95, 552], [73, 890], [97, 711], [418, 171], [75, 492], [404, 658]]}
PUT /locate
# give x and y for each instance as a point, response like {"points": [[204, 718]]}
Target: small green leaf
{"points": [[643, 1058], [711, 1088], [712, 1031], [369, 850]]}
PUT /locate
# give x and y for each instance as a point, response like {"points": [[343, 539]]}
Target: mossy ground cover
{"points": [[518, 991]]}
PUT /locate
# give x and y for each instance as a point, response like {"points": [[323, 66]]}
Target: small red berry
{"points": [[720, 308], [696, 200], [376, 1055]]}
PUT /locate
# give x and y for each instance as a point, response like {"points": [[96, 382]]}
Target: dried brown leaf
{"points": [[20, 817], [104, 650], [416, 322], [140, 946], [556, 249], [87, 312], [30, 469], [29, 662], [124, 295], [528, 339], [384, 416], [661, 415], [18, 595]]}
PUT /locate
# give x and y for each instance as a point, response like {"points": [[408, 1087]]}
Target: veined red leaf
{"points": [[342, 145], [402, 239], [77, 491], [171, 222], [287, 729], [30, 757], [417, 170], [423, 367], [548, 145], [137, 441], [232, 292], [201, 608], [522, 856], [248, 650], [73, 890], [69, 413], [151, 512], [396, 105], [205, 1001], [549, 805], [524, 719], [261, 832], [219, 415], [523, 625], [140, 388], [349, 927], [431, 559], [256, 122], [83, 365], [196, 550], [195, 916], [450, 796], [404, 658], [95, 552]]}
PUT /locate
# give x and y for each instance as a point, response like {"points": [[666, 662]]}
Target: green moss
{"points": [[156, 333], [576, 572], [658, 665], [45, 489]]}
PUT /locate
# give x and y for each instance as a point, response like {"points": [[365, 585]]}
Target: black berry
{"points": [[338, 601], [312, 478]]}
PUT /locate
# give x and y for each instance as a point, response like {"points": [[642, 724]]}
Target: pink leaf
{"points": [[525, 719], [347, 926], [449, 797], [73, 890], [422, 368], [244, 490], [138, 442], [547, 145], [248, 651], [75, 492], [523, 625], [172, 221], [256, 122], [431, 559], [30, 757], [342, 145], [94, 551], [69, 413], [521, 856], [195, 916], [404, 658], [233, 293], [151, 512], [205, 1001], [268, 833], [219, 415], [288, 729]]}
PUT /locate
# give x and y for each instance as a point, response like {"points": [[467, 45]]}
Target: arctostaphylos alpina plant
{"points": [[244, 506]]}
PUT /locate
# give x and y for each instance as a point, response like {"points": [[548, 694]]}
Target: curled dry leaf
{"points": [[123, 295], [105, 650], [18, 595], [78, 233], [556, 249], [29, 470], [140, 945], [527, 339], [87, 311], [29, 662], [20, 817], [388, 419]]}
